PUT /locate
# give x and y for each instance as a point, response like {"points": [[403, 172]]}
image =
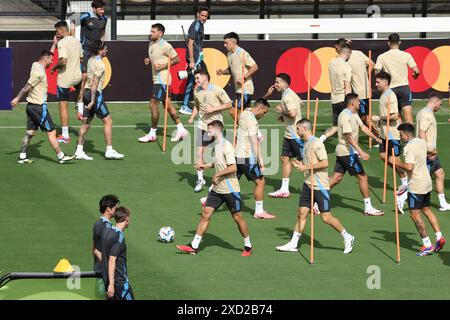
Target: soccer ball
{"points": [[166, 234]]}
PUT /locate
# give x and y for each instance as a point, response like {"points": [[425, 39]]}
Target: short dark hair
{"points": [[304, 122], [394, 38], [350, 97], [98, 4], [346, 46], [203, 72], [285, 77], [121, 214], [435, 95], [97, 46], [406, 127], [202, 8], [340, 42], [384, 75], [262, 101], [159, 27], [232, 35], [108, 201], [45, 53], [216, 123], [61, 24]]}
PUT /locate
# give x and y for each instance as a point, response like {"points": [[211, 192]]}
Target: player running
{"points": [[114, 258], [420, 187], [95, 105], [290, 112], [237, 58], [427, 130], [396, 63], [348, 151], [248, 153], [225, 190], [315, 154], [209, 103], [159, 51], [38, 115], [340, 76], [70, 56]]}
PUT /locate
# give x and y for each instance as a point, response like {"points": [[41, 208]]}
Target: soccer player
{"points": [[248, 153], [396, 63], [420, 186], [315, 154], [95, 105], [194, 54], [209, 103], [225, 190], [38, 115], [159, 51], [107, 206], [359, 64], [340, 76], [70, 55], [348, 151], [382, 82], [236, 57], [290, 112], [427, 130], [114, 258]]}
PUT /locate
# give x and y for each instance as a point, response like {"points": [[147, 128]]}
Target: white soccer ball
{"points": [[166, 234]]}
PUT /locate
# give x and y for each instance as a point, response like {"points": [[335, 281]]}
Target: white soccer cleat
{"points": [[402, 190], [147, 138], [373, 212], [113, 155], [316, 209], [24, 161], [199, 185], [66, 159], [348, 244], [279, 194], [445, 208], [287, 248], [181, 135], [82, 156]]}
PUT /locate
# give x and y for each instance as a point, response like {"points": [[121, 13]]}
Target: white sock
{"points": [[404, 181], [367, 204], [180, 127], [295, 238], [259, 207], [438, 235], [285, 184], [79, 148], [109, 148], [323, 138], [345, 235], [22, 155], [426, 242], [442, 201], [247, 242], [152, 132], [80, 107], [60, 155], [200, 175], [196, 242], [65, 132]]}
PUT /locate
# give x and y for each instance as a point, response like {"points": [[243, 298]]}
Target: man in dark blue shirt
{"points": [[194, 54], [114, 258]]}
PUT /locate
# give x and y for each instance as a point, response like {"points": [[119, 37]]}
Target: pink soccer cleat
{"points": [[279, 194], [147, 138], [181, 134], [264, 215]]}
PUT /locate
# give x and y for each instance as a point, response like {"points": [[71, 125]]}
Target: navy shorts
{"points": [[159, 92], [99, 108], [64, 94], [434, 165], [393, 144], [351, 164], [418, 201], [248, 167], [321, 197], [86, 56], [232, 200], [404, 96], [337, 109], [292, 148], [363, 107], [247, 100], [39, 117], [123, 292]]}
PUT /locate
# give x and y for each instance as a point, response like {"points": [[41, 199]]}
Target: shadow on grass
{"points": [[405, 241], [445, 257], [286, 233], [210, 240]]}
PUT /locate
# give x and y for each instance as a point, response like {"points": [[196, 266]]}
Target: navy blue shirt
{"points": [[92, 29], [113, 244], [99, 227], [197, 33]]}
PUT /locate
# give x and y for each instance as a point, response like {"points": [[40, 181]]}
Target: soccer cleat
{"points": [[147, 138], [66, 159], [80, 116], [187, 249], [24, 161], [62, 139], [373, 212], [199, 185], [287, 248], [424, 251], [445, 208], [439, 244], [185, 110], [113, 155], [401, 202], [401, 190], [279, 194], [263, 215], [316, 209], [348, 244], [247, 252], [181, 134], [82, 156], [203, 202]]}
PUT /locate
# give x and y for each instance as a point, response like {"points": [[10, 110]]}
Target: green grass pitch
{"points": [[48, 211]]}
